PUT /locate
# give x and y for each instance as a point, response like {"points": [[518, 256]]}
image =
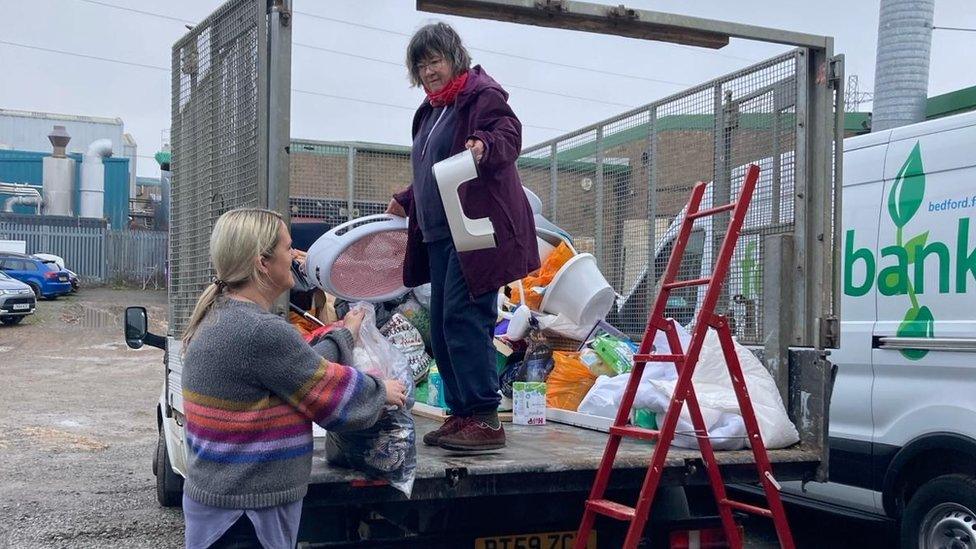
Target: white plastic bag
{"points": [[713, 387], [388, 449]]}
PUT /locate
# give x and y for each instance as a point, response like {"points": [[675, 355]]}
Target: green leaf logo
{"points": [[909, 188], [915, 244], [917, 323]]}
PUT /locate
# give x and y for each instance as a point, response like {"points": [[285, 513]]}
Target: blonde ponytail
{"points": [[238, 237]]}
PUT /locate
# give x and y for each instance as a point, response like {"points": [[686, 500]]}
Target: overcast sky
{"points": [[529, 61]]}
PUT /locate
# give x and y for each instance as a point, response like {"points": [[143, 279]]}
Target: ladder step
{"points": [[631, 431], [611, 509], [745, 507], [712, 211], [686, 283], [659, 358]]}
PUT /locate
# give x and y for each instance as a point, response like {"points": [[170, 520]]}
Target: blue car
{"points": [[46, 279]]}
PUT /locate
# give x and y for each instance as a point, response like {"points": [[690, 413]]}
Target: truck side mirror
{"points": [[137, 330]]}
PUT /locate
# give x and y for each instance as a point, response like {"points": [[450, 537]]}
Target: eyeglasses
{"points": [[432, 64]]}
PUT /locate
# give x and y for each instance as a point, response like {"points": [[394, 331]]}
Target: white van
{"points": [[903, 414]]}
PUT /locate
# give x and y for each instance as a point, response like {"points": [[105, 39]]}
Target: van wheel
{"points": [[169, 485], [11, 320], [942, 513]]}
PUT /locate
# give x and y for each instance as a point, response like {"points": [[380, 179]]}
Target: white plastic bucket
{"points": [[579, 292]]}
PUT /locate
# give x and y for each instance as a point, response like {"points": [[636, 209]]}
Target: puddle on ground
{"points": [[89, 317]]}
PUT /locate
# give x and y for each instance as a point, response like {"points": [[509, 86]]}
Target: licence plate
{"points": [[63, 278], [21, 306], [548, 540]]}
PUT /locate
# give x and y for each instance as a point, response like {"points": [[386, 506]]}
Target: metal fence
{"points": [[336, 182], [618, 187], [80, 242], [90, 250], [218, 137], [136, 257]]}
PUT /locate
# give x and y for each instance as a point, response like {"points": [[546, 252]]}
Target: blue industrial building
{"points": [[26, 167]]}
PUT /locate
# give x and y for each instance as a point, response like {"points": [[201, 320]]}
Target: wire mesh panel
{"points": [[218, 81], [379, 171], [620, 187], [319, 170]]}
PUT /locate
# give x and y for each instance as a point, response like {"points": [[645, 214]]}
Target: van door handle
{"points": [[964, 344]]}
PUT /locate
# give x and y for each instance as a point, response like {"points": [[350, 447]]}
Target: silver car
{"points": [[16, 300]]}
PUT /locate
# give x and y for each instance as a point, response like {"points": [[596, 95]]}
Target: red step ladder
{"points": [[685, 392]]}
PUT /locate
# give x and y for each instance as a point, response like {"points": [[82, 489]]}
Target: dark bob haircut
{"points": [[436, 39]]}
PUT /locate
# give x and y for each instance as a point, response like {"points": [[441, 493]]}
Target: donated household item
{"points": [[538, 358], [568, 382], [615, 353], [435, 388], [579, 291], [418, 315], [422, 293], [553, 235], [545, 249], [386, 450], [542, 278], [562, 326], [420, 392], [402, 334], [643, 418], [717, 399], [468, 234], [518, 325], [529, 403], [361, 259], [508, 377], [603, 327], [604, 397], [595, 364]]}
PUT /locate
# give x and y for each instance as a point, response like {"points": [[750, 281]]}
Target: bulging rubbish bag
{"points": [[388, 449], [568, 382]]}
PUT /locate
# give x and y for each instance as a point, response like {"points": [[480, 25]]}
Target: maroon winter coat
{"points": [[497, 194]]}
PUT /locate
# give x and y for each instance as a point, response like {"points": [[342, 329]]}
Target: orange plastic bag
{"points": [[543, 277], [568, 382]]}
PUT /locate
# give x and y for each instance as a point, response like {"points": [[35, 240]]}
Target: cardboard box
{"points": [[528, 403]]}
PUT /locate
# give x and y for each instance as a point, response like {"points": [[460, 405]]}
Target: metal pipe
{"points": [[12, 201], [902, 66]]}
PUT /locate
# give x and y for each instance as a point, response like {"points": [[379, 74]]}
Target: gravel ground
{"points": [[77, 436], [77, 427]]}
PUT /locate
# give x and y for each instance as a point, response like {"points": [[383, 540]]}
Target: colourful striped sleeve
{"points": [[337, 397]]}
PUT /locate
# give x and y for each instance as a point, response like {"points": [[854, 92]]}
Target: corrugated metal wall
{"points": [[90, 249], [26, 167], [81, 242]]}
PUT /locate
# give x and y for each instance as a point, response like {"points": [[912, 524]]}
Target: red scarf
{"points": [[448, 93]]}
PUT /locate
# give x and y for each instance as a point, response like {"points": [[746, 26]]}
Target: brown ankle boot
{"points": [[478, 433], [452, 425]]}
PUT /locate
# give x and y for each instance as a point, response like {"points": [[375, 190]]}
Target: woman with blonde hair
{"points": [[252, 388]]}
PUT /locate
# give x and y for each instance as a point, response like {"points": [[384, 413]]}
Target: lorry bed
{"points": [[551, 458]]}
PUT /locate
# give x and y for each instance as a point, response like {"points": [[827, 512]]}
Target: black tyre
{"points": [[37, 290], [169, 485], [11, 320], [942, 513]]}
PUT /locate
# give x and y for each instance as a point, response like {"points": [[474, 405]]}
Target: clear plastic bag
{"points": [[388, 449]]}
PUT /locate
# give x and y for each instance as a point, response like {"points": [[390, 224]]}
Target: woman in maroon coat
{"points": [[464, 109]]}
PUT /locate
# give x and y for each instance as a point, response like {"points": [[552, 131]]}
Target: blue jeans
{"points": [[461, 331]]}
